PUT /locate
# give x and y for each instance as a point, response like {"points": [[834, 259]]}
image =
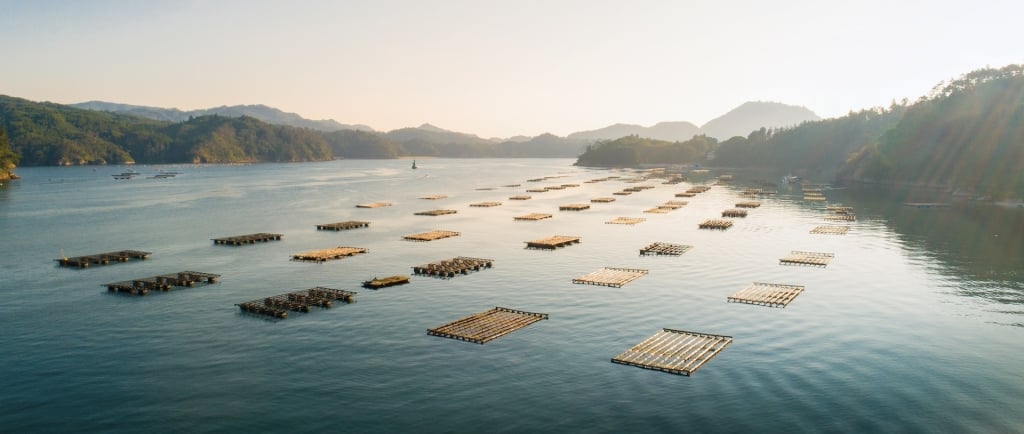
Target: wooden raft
{"points": [[533, 216], [674, 351], [430, 236], [735, 212], [625, 221], [674, 204], [841, 217], [437, 212], [449, 268], [328, 254], [488, 325], [767, 294], [239, 240], [658, 210], [163, 282], [553, 242], [623, 193], [715, 224], [536, 190], [102, 258], [748, 204], [686, 194], [299, 301], [574, 207], [602, 200], [807, 258], [669, 249], [608, 276], [831, 230], [434, 196], [485, 204], [384, 282], [342, 226], [373, 205], [520, 197], [698, 189]]}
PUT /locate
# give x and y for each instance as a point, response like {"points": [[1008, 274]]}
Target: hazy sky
{"points": [[500, 68]]}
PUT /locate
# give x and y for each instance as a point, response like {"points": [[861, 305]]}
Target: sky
{"points": [[500, 68]]}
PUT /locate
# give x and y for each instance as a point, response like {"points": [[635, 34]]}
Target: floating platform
{"points": [[698, 189], [533, 216], [831, 230], [239, 240], [625, 221], [841, 217], [767, 294], [669, 249], [299, 301], [488, 325], [715, 224], [536, 190], [749, 204], [602, 200], [674, 351], [102, 258], [373, 205], [674, 204], [384, 282], [574, 207], [551, 243], [437, 212], [430, 236], [520, 197], [342, 226], [807, 258], [686, 194], [434, 196], [485, 204], [927, 204], [163, 282], [449, 268], [658, 210], [623, 193], [328, 254], [839, 209], [608, 276], [736, 212]]}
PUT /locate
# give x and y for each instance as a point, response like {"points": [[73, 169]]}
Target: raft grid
{"points": [[668, 249], [807, 258], [767, 294], [384, 282], [342, 226], [608, 276], [485, 204], [437, 212], [674, 351], [449, 268], [488, 325], [277, 306], [533, 216], [430, 236], [553, 242], [102, 258], [328, 254], [163, 282], [625, 221], [831, 230], [239, 240], [715, 224]]}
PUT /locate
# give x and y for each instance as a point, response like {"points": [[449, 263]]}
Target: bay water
{"points": [[917, 324]]}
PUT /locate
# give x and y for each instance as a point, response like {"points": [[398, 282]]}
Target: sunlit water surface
{"points": [[906, 330]]}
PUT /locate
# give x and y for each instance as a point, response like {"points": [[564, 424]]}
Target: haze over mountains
{"points": [[737, 122]]}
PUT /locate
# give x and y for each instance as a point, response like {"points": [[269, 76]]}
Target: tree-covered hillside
{"points": [[967, 135], [633, 150], [8, 159]]}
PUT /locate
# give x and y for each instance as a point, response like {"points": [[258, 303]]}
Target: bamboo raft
{"points": [[734, 213], [536, 190], [814, 197], [749, 204], [570, 185], [638, 188], [485, 204], [452, 267], [613, 277], [574, 207], [767, 294], [384, 282], [239, 240], [674, 204], [342, 226], [328, 254], [373, 205], [434, 196], [807, 258], [625, 221], [668, 249], [658, 210], [602, 200], [674, 351], [715, 224], [698, 189], [277, 306], [839, 209], [623, 193], [551, 243], [102, 258], [430, 236], [686, 194], [488, 325], [163, 282], [520, 197], [533, 216], [831, 230], [554, 187], [841, 217], [437, 212], [512, 185]]}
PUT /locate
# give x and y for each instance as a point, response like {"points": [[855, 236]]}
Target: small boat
{"points": [[413, 164]]}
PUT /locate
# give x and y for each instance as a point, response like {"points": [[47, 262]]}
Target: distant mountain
{"points": [[543, 146], [266, 114], [751, 116], [740, 121], [671, 131]]}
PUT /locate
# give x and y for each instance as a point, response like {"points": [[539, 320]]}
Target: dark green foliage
{"points": [[362, 144], [968, 135], [632, 151], [8, 159]]}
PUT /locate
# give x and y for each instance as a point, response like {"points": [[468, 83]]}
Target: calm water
{"points": [[916, 326]]}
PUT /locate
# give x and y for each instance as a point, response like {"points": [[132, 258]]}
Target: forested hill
{"points": [[968, 136], [633, 150], [264, 113]]}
